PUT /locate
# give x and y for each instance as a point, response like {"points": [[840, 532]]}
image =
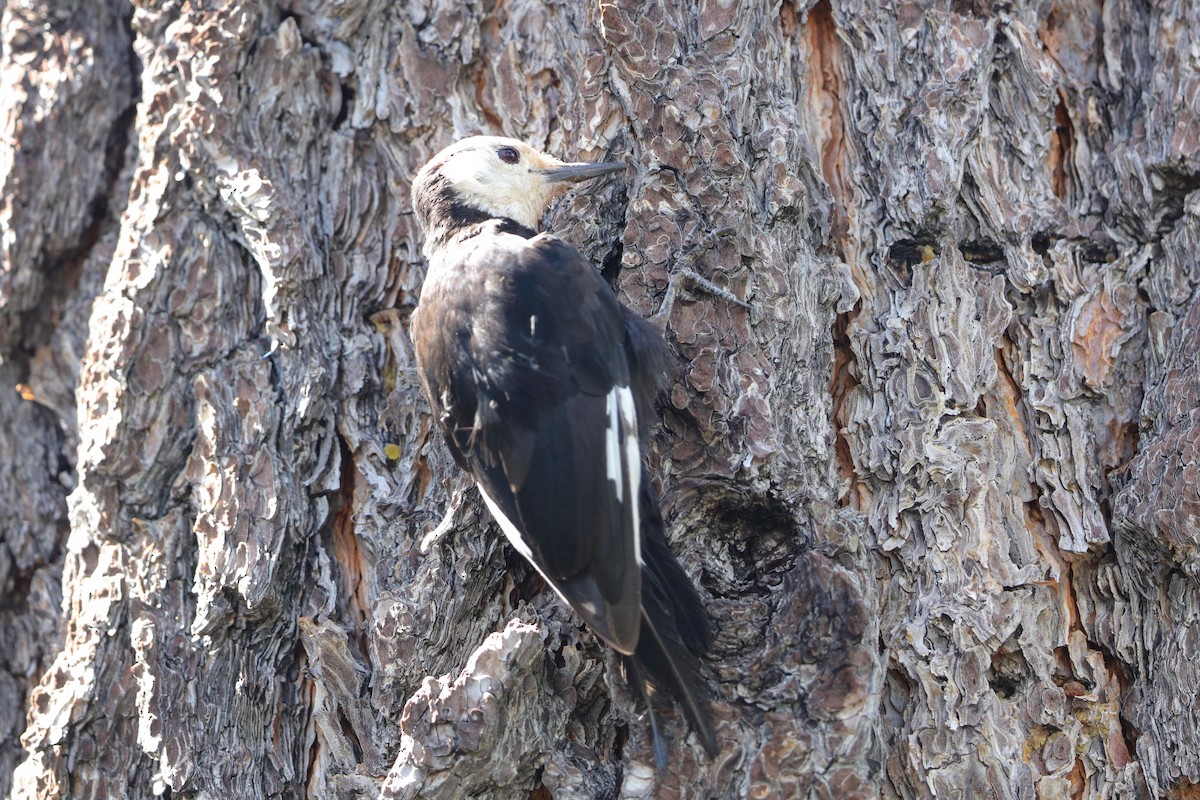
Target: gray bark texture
{"points": [[939, 486]]}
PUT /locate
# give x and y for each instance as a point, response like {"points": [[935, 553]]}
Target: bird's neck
{"points": [[459, 228]]}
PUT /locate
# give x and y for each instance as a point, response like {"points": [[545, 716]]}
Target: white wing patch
{"points": [[613, 463], [624, 458]]}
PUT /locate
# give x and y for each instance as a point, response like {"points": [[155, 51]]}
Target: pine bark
{"points": [[939, 485]]}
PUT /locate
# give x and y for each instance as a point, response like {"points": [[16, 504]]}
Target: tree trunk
{"points": [[939, 485]]}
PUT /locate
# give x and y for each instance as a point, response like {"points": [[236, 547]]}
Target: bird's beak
{"points": [[572, 173]]}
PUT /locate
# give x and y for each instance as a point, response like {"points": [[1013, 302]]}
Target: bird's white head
{"points": [[499, 177]]}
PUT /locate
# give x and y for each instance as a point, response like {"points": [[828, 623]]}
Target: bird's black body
{"points": [[538, 377]]}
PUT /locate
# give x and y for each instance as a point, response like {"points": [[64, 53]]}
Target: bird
{"points": [[543, 385]]}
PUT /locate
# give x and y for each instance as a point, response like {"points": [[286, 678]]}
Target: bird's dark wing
{"points": [[521, 346]]}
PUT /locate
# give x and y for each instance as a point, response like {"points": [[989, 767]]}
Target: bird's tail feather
{"points": [[675, 631], [638, 680], [671, 666]]}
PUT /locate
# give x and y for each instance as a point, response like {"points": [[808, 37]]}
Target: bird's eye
{"points": [[509, 155]]}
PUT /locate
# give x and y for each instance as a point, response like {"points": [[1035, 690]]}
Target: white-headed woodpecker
{"points": [[542, 382]]}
